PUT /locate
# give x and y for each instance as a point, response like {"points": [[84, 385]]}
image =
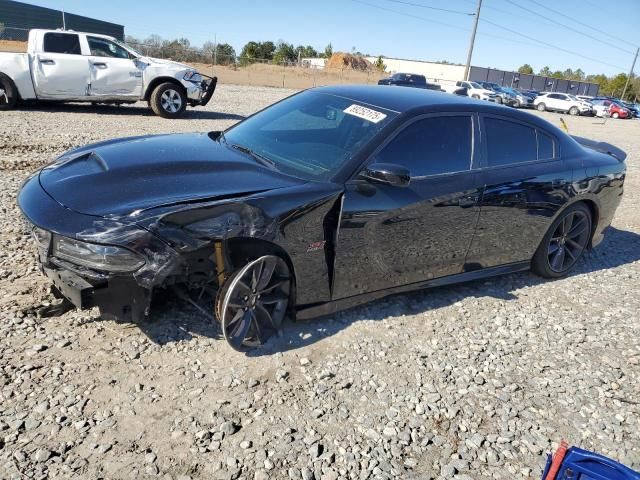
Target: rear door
{"points": [[526, 182], [114, 71], [393, 236], [61, 71]]}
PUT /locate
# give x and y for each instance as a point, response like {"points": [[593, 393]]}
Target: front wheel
{"points": [[574, 111], [168, 100], [564, 243], [499, 100], [253, 302], [8, 93], [541, 107], [615, 115]]}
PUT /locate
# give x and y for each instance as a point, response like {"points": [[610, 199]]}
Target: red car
{"points": [[614, 109]]}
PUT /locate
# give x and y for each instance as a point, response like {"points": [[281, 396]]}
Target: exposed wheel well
{"points": [[7, 78], [157, 81], [239, 251]]}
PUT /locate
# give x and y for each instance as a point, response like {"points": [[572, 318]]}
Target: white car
{"points": [[475, 90], [86, 67], [562, 102]]}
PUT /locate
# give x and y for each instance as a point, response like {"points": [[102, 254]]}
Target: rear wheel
{"points": [[8, 93], [541, 107], [564, 243], [168, 100], [253, 302], [499, 100], [574, 111]]}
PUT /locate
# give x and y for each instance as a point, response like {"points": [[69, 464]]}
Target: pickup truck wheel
{"points": [[541, 107], [168, 100], [8, 93], [574, 111]]}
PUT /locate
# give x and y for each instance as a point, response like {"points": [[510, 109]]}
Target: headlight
{"points": [[42, 238], [193, 76], [99, 257]]}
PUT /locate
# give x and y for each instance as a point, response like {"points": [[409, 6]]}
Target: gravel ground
{"points": [[472, 381]]}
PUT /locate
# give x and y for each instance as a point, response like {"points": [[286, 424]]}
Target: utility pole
{"points": [[467, 67], [630, 73], [215, 48], [64, 22]]}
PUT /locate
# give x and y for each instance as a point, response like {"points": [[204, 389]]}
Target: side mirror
{"points": [[386, 173]]}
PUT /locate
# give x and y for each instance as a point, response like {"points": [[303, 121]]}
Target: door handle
{"points": [[46, 61], [99, 64]]}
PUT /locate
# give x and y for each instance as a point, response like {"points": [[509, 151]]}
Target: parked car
{"points": [[562, 102], [88, 67], [502, 96], [633, 108], [586, 98], [409, 80], [522, 100], [532, 93], [330, 198], [475, 90], [603, 107]]}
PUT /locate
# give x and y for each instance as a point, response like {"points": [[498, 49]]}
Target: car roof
{"points": [[59, 30], [408, 100]]}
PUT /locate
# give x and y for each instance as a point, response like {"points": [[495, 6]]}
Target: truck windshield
{"points": [[126, 46], [309, 135]]}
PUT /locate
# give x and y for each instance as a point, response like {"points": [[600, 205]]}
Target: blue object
{"points": [[579, 464]]}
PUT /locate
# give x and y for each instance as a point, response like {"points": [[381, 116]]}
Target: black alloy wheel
{"points": [[254, 302], [564, 243]]}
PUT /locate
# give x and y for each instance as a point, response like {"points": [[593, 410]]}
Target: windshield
{"points": [[309, 135], [475, 85]]}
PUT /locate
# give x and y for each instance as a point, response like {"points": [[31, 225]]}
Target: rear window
{"points": [[509, 142], [545, 146], [68, 43]]}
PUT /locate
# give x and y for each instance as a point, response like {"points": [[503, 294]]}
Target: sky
{"points": [[508, 35]]}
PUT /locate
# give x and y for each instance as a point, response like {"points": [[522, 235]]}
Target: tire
{"points": [[253, 302], [574, 111], [564, 243], [541, 107], [476, 96], [168, 100], [8, 93], [499, 100], [615, 115], [517, 104]]}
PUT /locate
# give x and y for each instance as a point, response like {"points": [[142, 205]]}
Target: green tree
{"points": [[306, 52], [616, 85], [285, 53], [328, 51], [556, 74], [545, 72], [257, 51], [526, 68], [379, 64]]}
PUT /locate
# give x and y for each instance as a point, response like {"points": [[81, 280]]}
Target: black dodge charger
{"points": [[330, 198]]}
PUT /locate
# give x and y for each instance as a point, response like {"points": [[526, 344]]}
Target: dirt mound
{"points": [[346, 60], [13, 46]]}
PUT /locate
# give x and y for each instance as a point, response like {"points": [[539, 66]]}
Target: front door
{"points": [[115, 73], [393, 236], [61, 71]]}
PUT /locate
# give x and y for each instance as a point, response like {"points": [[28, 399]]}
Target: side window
{"points": [[101, 47], [545, 146], [62, 43], [509, 142], [432, 146]]}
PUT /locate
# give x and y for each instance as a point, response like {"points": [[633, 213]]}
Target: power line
{"points": [[555, 47], [459, 12], [533, 12], [410, 15], [583, 24]]}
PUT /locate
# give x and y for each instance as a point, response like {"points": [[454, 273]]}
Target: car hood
{"points": [[119, 177], [168, 64]]}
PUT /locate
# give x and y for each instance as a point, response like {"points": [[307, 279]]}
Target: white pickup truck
{"points": [[86, 67]]}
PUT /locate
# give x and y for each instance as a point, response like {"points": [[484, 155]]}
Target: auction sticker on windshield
{"points": [[363, 112]]}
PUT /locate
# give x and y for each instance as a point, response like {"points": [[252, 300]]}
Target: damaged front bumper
{"points": [[199, 93], [122, 295]]}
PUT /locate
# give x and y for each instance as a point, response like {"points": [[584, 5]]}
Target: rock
{"points": [[150, 457], [42, 455], [245, 444]]}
